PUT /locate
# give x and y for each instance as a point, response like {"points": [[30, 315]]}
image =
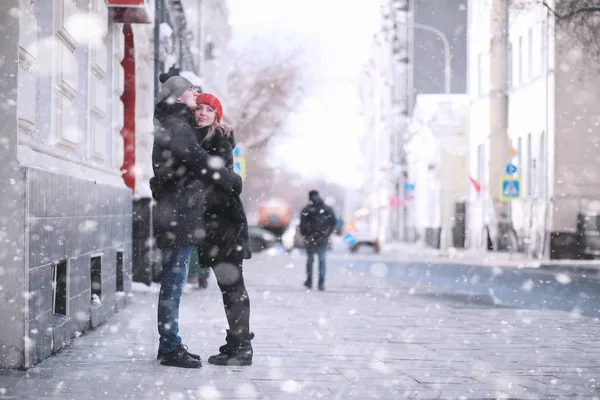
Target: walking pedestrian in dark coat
{"points": [[317, 222], [182, 172], [227, 242]]}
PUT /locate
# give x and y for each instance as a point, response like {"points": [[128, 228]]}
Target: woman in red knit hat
{"points": [[227, 243]]}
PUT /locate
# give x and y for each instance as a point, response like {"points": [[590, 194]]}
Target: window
{"points": [[543, 47], [481, 164], [59, 288], [66, 66], [530, 54], [542, 172], [520, 155], [96, 275], [210, 51], [520, 62], [529, 166], [481, 88], [482, 6], [27, 104], [509, 72], [120, 273]]}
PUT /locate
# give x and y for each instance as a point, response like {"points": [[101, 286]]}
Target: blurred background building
{"points": [[527, 183], [422, 49]]}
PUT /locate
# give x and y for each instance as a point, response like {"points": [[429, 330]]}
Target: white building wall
{"points": [[377, 139], [437, 155], [478, 78], [422, 153], [531, 121], [576, 180]]}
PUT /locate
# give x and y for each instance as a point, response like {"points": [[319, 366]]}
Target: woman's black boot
{"points": [[236, 351]]}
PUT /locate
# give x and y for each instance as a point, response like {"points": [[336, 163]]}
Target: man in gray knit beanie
{"points": [[177, 215], [177, 89]]}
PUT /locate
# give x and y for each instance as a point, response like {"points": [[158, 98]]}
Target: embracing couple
{"points": [[198, 205]]}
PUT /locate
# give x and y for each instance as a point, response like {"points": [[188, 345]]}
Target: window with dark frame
{"points": [[96, 276], [59, 288], [530, 54], [120, 273]]}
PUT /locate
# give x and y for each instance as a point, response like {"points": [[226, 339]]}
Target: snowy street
{"points": [[366, 336]]}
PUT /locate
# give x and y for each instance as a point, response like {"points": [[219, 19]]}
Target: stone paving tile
{"points": [[364, 338]]}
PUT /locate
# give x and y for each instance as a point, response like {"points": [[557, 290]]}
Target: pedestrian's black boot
{"points": [[179, 357], [308, 284], [236, 351], [161, 354]]}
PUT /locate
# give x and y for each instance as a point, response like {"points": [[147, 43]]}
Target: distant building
{"points": [[552, 126], [375, 92], [428, 40], [437, 167]]}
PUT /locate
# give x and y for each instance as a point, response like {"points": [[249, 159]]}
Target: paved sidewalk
{"points": [[364, 338], [404, 251]]}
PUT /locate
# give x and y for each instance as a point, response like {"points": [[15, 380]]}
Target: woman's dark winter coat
{"points": [[182, 174], [225, 219]]}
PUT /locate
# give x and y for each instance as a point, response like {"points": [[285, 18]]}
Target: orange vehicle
{"points": [[274, 215]]}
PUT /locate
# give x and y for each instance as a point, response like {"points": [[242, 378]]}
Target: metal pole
{"points": [[158, 10], [447, 54]]}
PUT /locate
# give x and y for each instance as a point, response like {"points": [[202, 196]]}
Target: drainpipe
{"points": [[502, 124], [158, 19], [546, 39]]}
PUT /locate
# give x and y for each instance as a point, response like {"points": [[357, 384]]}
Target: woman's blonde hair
{"points": [[212, 128]]}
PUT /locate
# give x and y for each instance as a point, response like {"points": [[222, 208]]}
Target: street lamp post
{"points": [[447, 54]]}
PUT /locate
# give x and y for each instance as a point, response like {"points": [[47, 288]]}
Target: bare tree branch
{"points": [[593, 8], [265, 91], [577, 29]]}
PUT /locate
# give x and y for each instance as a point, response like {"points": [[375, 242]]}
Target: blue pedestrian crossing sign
{"points": [[238, 151], [511, 169], [510, 188]]}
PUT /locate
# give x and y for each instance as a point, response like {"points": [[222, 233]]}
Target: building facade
{"points": [[436, 158], [65, 220], [488, 119], [547, 130], [427, 40], [375, 91]]}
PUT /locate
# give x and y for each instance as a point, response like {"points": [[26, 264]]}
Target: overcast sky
{"points": [[335, 36]]}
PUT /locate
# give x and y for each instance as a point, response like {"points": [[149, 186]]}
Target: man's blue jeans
{"points": [[321, 252], [175, 263]]}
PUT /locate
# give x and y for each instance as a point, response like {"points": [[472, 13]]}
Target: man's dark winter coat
{"points": [[181, 175], [317, 222], [225, 219]]}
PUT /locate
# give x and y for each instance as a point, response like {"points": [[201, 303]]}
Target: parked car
{"points": [[260, 239], [358, 235]]}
